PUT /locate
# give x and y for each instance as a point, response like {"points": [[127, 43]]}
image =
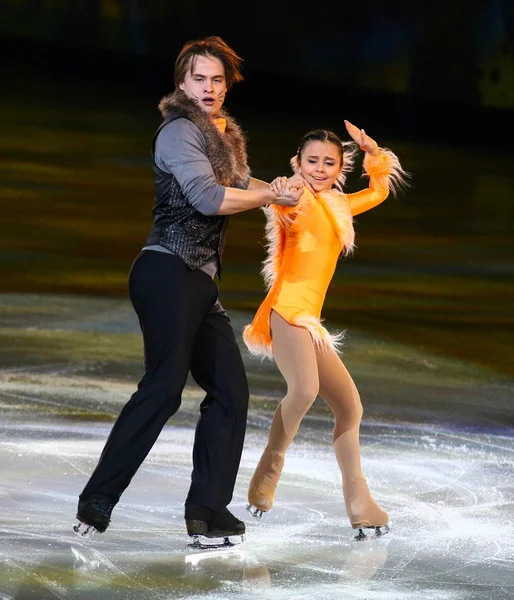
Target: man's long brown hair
{"points": [[212, 46]]}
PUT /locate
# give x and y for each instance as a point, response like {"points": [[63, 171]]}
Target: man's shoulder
{"points": [[179, 127]]}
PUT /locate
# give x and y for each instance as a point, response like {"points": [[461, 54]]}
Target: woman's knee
{"points": [[358, 410], [347, 420], [354, 412], [304, 396], [348, 416]]}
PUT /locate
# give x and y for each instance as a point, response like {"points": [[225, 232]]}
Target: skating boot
{"points": [[261, 492], [217, 527], [94, 514], [363, 511]]}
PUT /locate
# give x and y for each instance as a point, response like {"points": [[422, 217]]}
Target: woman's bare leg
{"points": [[295, 357], [338, 390]]}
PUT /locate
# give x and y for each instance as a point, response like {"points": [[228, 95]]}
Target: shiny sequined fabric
{"points": [[197, 238]]}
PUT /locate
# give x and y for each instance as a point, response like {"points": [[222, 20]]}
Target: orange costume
{"points": [[304, 244]]}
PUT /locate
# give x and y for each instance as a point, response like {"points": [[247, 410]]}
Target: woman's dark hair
{"points": [[212, 46], [320, 135]]}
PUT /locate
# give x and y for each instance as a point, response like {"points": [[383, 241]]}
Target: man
{"points": [[201, 177]]}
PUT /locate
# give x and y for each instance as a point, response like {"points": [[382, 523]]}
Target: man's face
{"points": [[206, 84]]}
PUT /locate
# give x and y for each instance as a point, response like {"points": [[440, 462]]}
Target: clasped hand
{"points": [[288, 190]]}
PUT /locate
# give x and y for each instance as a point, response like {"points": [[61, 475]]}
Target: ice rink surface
{"points": [[446, 479]]}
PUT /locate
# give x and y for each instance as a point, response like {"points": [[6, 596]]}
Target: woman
{"points": [[304, 244]]}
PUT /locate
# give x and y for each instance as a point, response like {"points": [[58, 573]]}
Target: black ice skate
{"points": [[94, 514], [217, 527]]}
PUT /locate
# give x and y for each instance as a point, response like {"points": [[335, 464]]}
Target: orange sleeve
{"points": [[385, 174], [366, 199]]}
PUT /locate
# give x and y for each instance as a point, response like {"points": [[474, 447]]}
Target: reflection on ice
{"points": [[194, 558], [450, 501]]}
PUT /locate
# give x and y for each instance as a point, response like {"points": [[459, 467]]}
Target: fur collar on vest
{"points": [[226, 151]]}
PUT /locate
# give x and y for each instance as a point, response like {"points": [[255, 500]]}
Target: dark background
{"points": [[433, 81], [440, 71]]}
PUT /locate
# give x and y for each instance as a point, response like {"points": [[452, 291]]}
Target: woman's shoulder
{"points": [[334, 194]]}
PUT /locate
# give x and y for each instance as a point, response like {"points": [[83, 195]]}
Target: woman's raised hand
{"points": [[365, 142]]}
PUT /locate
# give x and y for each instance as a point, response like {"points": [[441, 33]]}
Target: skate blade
{"points": [[227, 541], [255, 512], [84, 531], [377, 533]]}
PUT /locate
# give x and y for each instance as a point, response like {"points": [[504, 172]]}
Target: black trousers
{"points": [[183, 330]]}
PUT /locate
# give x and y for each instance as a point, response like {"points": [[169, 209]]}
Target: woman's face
{"points": [[320, 164]]}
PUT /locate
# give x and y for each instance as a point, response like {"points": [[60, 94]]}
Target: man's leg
{"points": [[171, 302], [218, 368]]}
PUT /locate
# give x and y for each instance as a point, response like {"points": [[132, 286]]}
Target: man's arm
{"points": [[180, 150], [236, 200], [258, 195], [257, 184]]}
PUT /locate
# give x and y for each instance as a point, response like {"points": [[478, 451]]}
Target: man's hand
{"points": [[365, 142], [289, 197]]}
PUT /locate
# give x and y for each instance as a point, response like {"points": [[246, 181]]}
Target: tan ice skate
{"points": [[363, 511], [261, 492]]}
